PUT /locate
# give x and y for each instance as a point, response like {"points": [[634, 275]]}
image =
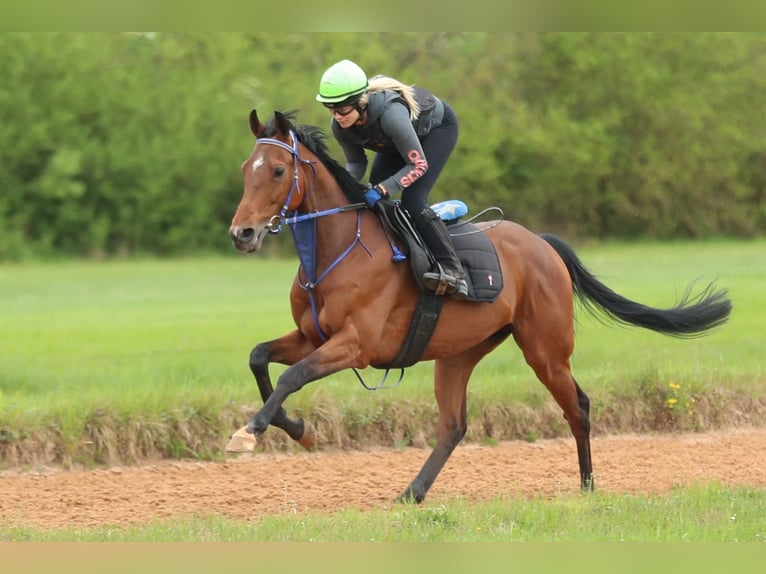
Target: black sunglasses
{"points": [[338, 111]]}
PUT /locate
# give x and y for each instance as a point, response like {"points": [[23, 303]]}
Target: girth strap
{"points": [[422, 326], [426, 313]]}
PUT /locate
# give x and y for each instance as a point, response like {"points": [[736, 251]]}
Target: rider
{"points": [[413, 134]]}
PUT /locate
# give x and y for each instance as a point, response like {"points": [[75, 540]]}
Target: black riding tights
{"points": [[437, 147]]}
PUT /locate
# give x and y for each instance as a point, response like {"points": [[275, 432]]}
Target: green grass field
{"points": [[706, 513], [101, 343], [141, 345]]}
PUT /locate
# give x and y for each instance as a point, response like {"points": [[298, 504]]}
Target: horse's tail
{"points": [[693, 315]]}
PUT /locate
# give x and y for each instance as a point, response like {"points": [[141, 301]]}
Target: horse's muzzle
{"points": [[245, 238]]}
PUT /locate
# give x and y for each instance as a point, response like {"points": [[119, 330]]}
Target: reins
{"points": [[285, 217]]}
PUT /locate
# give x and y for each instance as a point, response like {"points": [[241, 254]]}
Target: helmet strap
{"points": [[362, 110]]}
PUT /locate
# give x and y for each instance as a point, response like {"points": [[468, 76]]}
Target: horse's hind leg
{"points": [[286, 350], [549, 358], [583, 453]]}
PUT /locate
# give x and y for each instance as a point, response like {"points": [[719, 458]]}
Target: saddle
{"points": [[476, 253]]}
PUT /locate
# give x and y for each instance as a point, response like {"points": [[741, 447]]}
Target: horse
{"points": [[353, 312]]}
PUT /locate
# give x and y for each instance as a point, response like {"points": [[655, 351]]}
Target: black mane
{"points": [[315, 139]]}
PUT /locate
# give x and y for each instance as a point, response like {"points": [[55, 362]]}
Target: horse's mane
{"points": [[315, 139]]}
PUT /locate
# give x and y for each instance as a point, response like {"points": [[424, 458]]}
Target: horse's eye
{"points": [[279, 171]]}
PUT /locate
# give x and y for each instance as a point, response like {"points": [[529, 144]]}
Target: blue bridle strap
{"points": [[317, 214], [311, 283]]}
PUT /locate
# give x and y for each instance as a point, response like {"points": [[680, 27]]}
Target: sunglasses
{"points": [[342, 112]]}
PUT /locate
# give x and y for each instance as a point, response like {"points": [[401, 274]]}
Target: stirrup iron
{"points": [[439, 282]]}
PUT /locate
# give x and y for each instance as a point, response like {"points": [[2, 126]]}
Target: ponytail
{"points": [[378, 83]]}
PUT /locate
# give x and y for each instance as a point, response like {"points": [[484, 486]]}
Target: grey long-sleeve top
{"points": [[389, 129]]}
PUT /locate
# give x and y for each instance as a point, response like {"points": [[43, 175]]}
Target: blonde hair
{"points": [[378, 83]]}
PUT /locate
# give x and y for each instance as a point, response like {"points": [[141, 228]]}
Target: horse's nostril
{"points": [[241, 235], [246, 234]]}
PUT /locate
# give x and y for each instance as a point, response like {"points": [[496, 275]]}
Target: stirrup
{"points": [[461, 290], [442, 282]]}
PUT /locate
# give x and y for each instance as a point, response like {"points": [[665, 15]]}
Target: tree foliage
{"points": [[131, 143]]}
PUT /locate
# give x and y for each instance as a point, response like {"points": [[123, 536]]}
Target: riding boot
{"points": [[448, 276]]}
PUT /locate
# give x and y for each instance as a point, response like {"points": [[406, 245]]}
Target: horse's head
{"points": [[272, 181]]}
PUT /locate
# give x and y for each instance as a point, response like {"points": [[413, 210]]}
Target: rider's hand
{"points": [[373, 195]]}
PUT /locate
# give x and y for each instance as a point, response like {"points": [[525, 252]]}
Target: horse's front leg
{"points": [[340, 352], [286, 350], [451, 380]]}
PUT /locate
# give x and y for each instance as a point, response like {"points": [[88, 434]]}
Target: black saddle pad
{"points": [[480, 263]]}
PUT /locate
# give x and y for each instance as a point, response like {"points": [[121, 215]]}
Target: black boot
{"points": [[448, 277]]}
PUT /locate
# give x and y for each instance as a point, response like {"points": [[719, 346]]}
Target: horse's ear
{"points": [[282, 124], [256, 126]]}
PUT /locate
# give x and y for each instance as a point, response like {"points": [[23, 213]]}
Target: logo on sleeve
{"points": [[420, 165]]}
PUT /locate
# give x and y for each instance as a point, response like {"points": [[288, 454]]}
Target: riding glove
{"points": [[372, 196]]}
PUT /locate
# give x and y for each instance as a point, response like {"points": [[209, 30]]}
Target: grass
{"points": [[705, 513], [114, 360], [655, 275], [97, 349]]}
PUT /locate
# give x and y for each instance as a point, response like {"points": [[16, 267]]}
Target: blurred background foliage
{"points": [[130, 143]]}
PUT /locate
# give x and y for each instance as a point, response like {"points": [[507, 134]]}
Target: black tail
{"points": [[692, 316]]}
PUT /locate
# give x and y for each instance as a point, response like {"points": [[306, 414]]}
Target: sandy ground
{"points": [[251, 486]]}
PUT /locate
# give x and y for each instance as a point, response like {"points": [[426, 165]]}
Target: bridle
{"points": [[274, 225]]}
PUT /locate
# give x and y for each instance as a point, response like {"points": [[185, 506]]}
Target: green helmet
{"points": [[343, 83]]}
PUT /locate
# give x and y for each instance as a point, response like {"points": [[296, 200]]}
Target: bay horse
{"points": [[355, 309]]}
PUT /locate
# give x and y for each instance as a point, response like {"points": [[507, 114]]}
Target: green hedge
{"points": [[116, 144]]}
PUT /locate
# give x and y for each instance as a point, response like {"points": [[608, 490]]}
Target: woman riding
{"points": [[413, 134]]}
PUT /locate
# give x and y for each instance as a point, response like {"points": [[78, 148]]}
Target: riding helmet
{"points": [[342, 84]]}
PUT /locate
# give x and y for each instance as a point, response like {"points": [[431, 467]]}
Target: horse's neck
{"points": [[336, 231], [323, 191]]}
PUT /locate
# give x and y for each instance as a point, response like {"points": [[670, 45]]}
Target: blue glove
{"points": [[372, 196]]}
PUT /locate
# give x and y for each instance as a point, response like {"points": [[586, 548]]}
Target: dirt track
{"points": [[251, 486]]}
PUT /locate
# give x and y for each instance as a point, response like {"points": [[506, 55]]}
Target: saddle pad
{"points": [[480, 263]]}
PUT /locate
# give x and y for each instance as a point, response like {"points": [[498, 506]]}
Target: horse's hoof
{"points": [[309, 438], [241, 441], [409, 497], [588, 485]]}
